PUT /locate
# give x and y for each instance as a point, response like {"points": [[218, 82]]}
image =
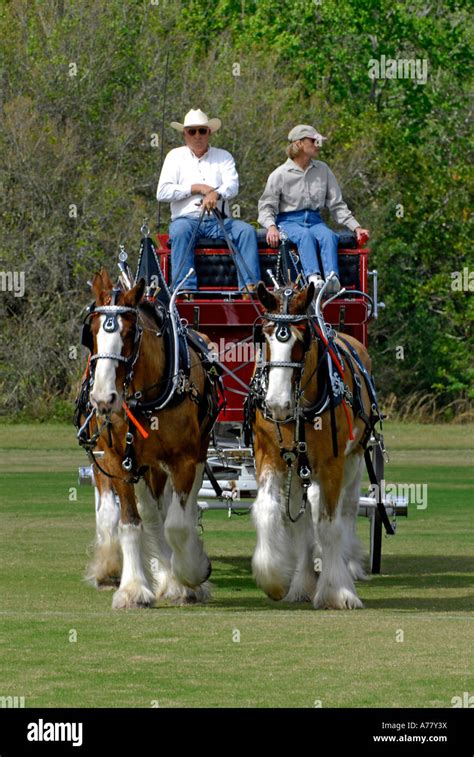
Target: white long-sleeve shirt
{"points": [[289, 188], [181, 169]]}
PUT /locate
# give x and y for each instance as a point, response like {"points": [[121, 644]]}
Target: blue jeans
{"points": [[242, 235], [305, 228]]}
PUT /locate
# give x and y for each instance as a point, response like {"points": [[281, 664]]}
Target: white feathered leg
{"points": [[189, 563], [136, 586], [153, 513], [352, 548], [272, 562], [336, 588], [105, 567], [303, 581]]}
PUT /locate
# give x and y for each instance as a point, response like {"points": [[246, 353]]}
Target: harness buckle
{"points": [[129, 437], [383, 450], [283, 333], [304, 473], [302, 447], [127, 464], [289, 457]]}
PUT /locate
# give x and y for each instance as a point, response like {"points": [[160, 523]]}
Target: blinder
{"points": [[111, 324], [258, 337], [307, 333], [87, 340], [86, 336]]}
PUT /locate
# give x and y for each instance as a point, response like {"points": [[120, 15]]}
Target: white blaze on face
{"points": [[279, 394], [104, 394]]}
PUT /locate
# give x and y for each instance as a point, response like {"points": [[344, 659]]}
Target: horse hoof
{"points": [[108, 583], [209, 571], [132, 598], [343, 599]]}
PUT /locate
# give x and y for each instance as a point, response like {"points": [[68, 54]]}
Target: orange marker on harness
{"points": [[136, 423]]}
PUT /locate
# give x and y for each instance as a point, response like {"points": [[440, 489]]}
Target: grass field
{"points": [[62, 645]]}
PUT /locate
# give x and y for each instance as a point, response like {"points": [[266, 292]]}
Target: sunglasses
{"points": [[192, 132]]}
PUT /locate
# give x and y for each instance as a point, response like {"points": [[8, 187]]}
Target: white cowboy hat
{"points": [[197, 118]]}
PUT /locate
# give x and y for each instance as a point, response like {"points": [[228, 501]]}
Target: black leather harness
{"points": [[332, 391], [170, 394]]}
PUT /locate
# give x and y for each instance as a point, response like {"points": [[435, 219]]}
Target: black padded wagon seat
{"points": [[347, 241], [217, 270]]}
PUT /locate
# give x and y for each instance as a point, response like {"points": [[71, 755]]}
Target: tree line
{"points": [[83, 104]]}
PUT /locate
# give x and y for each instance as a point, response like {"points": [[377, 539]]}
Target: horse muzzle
{"points": [[107, 403], [279, 411]]}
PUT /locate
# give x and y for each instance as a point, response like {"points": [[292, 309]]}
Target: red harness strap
{"points": [[331, 352], [341, 373], [135, 422]]}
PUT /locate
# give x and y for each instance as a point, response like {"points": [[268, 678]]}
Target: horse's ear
{"points": [[97, 285], [135, 294], [106, 280], [268, 300], [309, 295], [303, 299]]}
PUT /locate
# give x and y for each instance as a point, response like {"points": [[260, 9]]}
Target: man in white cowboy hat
{"points": [[199, 173], [294, 194]]}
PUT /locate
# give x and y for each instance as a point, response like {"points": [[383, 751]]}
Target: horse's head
{"points": [[286, 329], [114, 336]]}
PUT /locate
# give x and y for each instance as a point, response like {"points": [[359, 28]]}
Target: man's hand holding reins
{"points": [[273, 236], [210, 200]]}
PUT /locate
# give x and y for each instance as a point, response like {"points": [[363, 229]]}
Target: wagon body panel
{"points": [[220, 312]]}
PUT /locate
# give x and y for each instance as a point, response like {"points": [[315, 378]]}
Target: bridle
{"points": [[133, 403], [111, 325], [295, 457], [283, 320]]}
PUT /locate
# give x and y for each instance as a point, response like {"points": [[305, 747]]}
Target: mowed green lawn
{"points": [[62, 645]]}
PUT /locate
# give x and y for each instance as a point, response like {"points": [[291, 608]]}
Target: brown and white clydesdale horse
{"points": [[285, 386], [151, 545]]}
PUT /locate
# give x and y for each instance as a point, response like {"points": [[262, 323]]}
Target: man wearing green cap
{"points": [[294, 194]]}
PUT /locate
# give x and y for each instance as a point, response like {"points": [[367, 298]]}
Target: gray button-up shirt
{"points": [[289, 188]]}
